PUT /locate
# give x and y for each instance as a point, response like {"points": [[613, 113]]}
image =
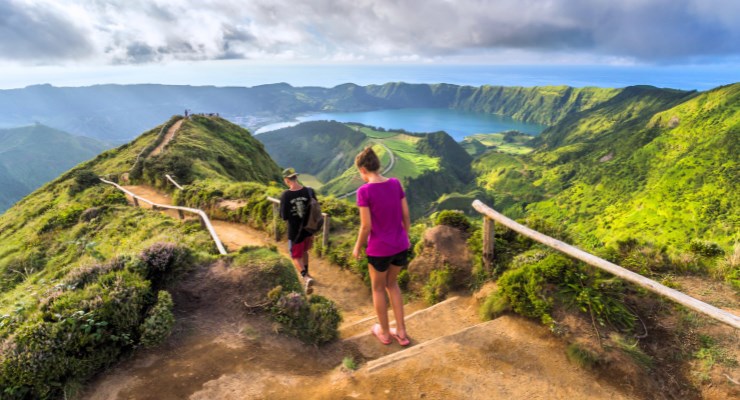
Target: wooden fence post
{"points": [[275, 214], [181, 214], [325, 234], [136, 201], [489, 242]]}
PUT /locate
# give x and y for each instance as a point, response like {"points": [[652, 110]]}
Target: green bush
{"points": [[455, 219], [438, 285], [539, 278], [160, 259], [314, 320], [403, 279], [525, 289], [83, 179], [159, 321], [83, 331], [705, 248]]}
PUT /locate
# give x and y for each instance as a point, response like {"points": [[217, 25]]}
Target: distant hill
{"points": [[650, 165], [119, 112], [33, 155], [320, 148]]}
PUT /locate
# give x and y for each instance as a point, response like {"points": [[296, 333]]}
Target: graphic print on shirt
{"points": [[298, 207]]}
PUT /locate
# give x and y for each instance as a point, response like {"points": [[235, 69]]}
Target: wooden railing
{"points": [[491, 215], [204, 220], [172, 180], [276, 217]]}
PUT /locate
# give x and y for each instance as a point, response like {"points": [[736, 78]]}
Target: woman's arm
{"points": [[364, 231], [406, 217]]}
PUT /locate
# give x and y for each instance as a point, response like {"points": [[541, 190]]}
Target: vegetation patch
{"points": [[313, 319]]}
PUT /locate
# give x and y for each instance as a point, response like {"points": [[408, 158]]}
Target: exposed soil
{"points": [[167, 137]]}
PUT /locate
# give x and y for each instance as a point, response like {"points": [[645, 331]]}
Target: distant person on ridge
{"points": [[384, 227], [294, 205]]}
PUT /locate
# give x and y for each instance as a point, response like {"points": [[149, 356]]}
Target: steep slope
{"points": [[33, 155], [653, 165], [119, 112], [81, 271]]}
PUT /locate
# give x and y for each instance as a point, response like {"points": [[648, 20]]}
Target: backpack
{"points": [[315, 220]]}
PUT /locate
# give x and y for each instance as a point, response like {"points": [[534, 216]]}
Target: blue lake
{"points": [[457, 123]]}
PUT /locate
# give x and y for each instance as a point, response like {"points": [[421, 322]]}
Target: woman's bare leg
{"points": [[378, 280], [394, 293]]}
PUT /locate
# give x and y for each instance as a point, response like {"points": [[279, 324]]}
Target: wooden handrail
{"points": [[649, 284], [169, 178], [203, 216]]}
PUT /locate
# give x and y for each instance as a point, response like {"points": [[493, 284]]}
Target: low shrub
{"points": [[705, 248], [83, 331], [403, 279], [455, 219], [538, 279], [159, 321], [83, 179], [160, 259], [438, 285], [314, 319]]}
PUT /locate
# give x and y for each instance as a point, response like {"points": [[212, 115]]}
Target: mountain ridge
{"points": [[105, 111]]}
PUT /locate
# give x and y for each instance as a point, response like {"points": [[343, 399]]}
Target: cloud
{"points": [[154, 31], [40, 33]]}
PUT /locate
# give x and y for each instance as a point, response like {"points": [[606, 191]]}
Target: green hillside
{"points": [[33, 155], [650, 166], [80, 269], [305, 147], [544, 105]]}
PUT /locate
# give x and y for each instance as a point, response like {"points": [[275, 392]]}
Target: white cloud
{"points": [[156, 31]]}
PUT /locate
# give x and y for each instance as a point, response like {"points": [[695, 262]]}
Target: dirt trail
{"points": [[218, 351], [350, 294], [167, 137]]}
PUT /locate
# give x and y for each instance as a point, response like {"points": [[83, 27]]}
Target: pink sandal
{"points": [[377, 331], [403, 341]]}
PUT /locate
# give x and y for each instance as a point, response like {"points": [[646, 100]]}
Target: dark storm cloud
{"points": [[39, 34]]}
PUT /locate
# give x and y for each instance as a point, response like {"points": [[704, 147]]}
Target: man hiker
{"points": [[294, 206]]}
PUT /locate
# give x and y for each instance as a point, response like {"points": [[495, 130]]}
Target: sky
{"points": [[78, 42]]}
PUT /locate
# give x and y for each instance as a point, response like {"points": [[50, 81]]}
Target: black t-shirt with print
{"points": [[294, 210]]}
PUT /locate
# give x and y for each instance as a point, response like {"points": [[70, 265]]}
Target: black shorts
{"points": [[381, 264]]}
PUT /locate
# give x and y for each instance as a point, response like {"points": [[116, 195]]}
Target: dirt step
{"points": [[361, 324], [510, 357], [436, 321]]}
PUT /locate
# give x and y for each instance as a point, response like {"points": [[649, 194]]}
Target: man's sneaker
{"points": [[309, 284]]}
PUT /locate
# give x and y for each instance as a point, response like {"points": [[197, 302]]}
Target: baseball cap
{"points": [[289, 173]]}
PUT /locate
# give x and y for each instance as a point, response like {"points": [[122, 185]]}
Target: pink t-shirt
{"points": [[387, 234]]}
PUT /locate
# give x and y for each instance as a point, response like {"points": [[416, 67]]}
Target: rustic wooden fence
{"points": [[490, 216], [276, 218], [204, 220]]}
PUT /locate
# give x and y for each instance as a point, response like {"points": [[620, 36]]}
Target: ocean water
{"points": [[457, 123]]}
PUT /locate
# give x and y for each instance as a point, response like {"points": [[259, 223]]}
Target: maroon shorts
{"points": [[299, 249]]}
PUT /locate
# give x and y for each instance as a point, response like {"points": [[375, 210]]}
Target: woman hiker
{"points": [[384, 226]]}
